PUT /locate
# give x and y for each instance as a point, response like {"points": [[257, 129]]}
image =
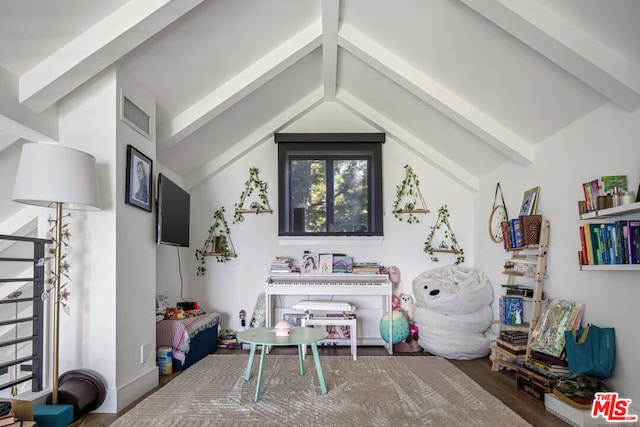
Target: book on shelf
{"points": [[515, 232], [530, 227], [608, 183], [610, 243], [514, 337], [365, 268], [516, 349], [622, 251], [591, 190], [633, 241], [511, 309], [282, 264], [584, 257]]}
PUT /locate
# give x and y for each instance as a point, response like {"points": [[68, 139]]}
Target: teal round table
{"points": [[267, 337]]}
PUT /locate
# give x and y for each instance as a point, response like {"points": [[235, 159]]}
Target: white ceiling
{"points": [[466, 84]]}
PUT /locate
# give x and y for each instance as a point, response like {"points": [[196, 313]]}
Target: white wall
{"points": [[230, 287], [605, 142], [113, 260]]}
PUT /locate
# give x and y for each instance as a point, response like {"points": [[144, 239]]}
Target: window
{"points": [[330, 184]]}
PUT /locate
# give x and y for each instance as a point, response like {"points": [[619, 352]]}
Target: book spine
{"points": [[504, 225], [583, 244], [611, 243], [633, 236], [595, 243], [620, 252]]}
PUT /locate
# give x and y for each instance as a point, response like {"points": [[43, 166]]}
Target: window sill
{"points": [[330, 240]]}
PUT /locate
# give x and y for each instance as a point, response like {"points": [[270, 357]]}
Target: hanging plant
{"points": [[256, 207], [218, 243], [409, 189], [443, 219]]}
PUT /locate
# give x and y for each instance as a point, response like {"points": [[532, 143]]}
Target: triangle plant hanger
{"points": [[409, 199], [453, 247], [254, 183], [218, 242]]}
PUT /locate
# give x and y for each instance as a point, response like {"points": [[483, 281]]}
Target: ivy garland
{"points": [[408, 188], [253, 183], [443, 218], [218, 242]]}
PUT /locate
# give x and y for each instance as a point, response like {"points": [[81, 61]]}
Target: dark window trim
{"points": [[336, 142]]}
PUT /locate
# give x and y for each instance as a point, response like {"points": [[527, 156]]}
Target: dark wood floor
{"points": [[500, 384]]}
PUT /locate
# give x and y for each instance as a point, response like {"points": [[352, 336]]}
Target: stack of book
{"points": [[365, 268], [228, 339], [547, 365], [8, 419], [282, 264], [514, 341]]}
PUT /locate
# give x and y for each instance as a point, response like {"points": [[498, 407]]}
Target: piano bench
{"points": [[308, 305]]}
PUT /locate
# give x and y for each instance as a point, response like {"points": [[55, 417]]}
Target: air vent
{"points": [[135, 117]]}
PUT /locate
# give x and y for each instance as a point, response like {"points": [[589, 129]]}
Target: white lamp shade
{"points": [[49, 173]]}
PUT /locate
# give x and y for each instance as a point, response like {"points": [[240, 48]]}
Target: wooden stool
{"points": [[345, 320]]}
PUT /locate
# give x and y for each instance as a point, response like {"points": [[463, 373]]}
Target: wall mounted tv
{"points": [[174, 206]]}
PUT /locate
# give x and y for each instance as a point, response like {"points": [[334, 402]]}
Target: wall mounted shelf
{"points": [[615, 211]]}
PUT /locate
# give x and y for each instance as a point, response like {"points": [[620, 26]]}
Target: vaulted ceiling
{"points": [[467, 85]]}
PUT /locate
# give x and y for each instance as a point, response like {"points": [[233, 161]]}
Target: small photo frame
{"points": [[326, 263], [529, 202], [139, 184], [219, 244], [310, 263]]}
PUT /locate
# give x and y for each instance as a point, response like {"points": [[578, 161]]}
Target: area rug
{"points": [[372, 391]]}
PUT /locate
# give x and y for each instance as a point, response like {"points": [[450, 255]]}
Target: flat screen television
{"points": [[174, 206]]}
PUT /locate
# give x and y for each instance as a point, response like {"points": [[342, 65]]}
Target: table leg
{"points": [[301, 359], [250, 362], [316, 358], [260, 374]]}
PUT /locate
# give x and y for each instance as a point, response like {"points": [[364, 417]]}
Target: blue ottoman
{"points": [[53, 415]]}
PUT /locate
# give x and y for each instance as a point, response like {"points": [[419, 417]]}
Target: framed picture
{"points": [[219, 244], [310, 263], [139, 170], [529, 202], [326, 263]]}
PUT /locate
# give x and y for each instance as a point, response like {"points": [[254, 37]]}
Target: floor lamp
{"points": [[52, 175]]}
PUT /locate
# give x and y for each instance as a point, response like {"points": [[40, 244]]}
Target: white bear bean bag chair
{"points": [[453, 312]]}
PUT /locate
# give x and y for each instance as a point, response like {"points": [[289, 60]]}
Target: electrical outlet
{"points": [[144, 353]]}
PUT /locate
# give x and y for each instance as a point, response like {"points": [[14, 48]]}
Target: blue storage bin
{"points": [[53, 415]]}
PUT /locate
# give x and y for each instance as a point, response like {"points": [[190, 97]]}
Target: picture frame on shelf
{"points": [[310, 263], [326, 263], [529, 202], [139, 183]]}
